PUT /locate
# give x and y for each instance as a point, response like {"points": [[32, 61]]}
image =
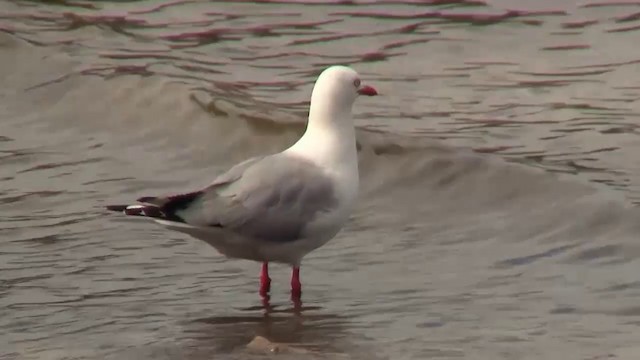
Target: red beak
{"points": [[367, 90]]}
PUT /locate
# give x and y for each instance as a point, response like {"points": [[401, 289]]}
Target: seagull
{"points": [[278, 207]]}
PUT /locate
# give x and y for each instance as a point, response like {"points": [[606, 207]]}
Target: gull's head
{"points": [[338, 87]]}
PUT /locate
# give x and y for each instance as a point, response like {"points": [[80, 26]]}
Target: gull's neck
{"points": [[330, 143], [329, 140]]}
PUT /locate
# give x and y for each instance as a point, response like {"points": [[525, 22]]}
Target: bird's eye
{"points": [[356, 83]]}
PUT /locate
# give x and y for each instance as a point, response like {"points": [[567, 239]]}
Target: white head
{"points": [[335, 91], [330, 138]]}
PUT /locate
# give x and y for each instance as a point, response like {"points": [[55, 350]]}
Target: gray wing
{"points": [[272, 198]]}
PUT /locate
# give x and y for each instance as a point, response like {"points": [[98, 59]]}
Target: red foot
{"points": [[296, 286], [265, 281]]}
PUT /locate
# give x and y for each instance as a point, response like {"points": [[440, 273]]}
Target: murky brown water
{"points": [[499, 175]]}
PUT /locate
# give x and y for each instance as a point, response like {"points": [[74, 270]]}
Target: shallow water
{"points": [[499, 169]]}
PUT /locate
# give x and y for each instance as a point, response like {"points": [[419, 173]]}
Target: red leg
{"points": [[296, 286], [265, 281]]}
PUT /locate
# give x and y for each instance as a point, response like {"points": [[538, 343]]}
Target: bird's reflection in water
{"points": [[303, 330], [296, 307]]}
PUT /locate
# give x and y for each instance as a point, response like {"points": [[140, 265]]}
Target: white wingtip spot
{"points": [[131, 207]]}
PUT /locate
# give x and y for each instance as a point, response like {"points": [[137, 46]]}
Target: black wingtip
{"points": [[158, 207], [118, 208], [147, 199]]}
